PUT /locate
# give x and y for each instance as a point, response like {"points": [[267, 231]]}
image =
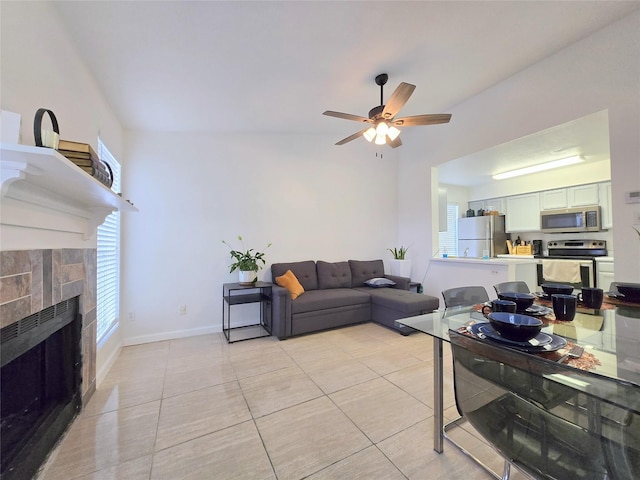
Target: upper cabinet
{"points": [[523, 213], [490, 204], [583, 195], [551, 199], [579, 196], [605, 205]]}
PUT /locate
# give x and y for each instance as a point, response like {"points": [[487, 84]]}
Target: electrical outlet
{"points": [[183, 309], [132, 316]]}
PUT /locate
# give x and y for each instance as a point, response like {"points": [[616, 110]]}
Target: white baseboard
{"points": [[159, 337]]}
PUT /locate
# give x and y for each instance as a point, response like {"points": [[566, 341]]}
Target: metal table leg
{"points": [[438, 402]]}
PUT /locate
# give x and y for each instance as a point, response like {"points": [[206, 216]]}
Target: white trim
{"points": [[159, 337]]}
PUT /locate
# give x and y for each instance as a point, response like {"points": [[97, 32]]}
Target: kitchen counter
{"points": [[500, 260], [451, 272]]}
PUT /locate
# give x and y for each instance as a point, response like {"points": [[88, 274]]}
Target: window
{"points": [[449, 239], [108, 259]]}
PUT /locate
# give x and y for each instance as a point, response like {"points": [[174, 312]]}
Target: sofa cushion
{"points": [[379, 282], [363, 270], [331, 298], [333, 275], [291, 283], [304, 271]]}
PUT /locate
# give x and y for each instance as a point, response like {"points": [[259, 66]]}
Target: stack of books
{"points": [[86, 158]]}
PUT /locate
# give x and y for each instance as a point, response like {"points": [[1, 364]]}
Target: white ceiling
{"points": [[276, 66]]}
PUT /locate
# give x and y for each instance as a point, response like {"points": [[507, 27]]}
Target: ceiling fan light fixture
{"points": [[369, 134], [393, 133], [381, 139], [382, 128], [563, 162]]}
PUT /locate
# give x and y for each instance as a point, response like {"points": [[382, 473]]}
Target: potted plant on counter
{"points": [[399, 265], [247, 262]]}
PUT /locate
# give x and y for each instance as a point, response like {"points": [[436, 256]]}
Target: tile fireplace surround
{"points": [[31, 280]]}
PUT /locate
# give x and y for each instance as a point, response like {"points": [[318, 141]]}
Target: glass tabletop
{"points": [[610, 336]]}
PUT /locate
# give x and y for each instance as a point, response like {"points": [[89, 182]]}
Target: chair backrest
{"points": [[461, 296], [548, 419], [517, 286]]}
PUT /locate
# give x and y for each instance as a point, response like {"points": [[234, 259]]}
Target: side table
{"points": [[236, 294]]}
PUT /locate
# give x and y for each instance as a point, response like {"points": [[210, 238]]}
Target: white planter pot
{"points": [[401, 268], [247, 277]]}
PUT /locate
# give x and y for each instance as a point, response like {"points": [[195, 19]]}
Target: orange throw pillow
{"points": [[291, 283]]}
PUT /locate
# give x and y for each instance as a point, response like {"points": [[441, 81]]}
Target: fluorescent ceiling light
{"points": [[539, 168]]}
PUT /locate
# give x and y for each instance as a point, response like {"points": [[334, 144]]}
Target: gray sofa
{"points": [[335, 295]]}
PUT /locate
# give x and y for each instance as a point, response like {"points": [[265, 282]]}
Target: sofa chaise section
{"points": [[335, 295]]}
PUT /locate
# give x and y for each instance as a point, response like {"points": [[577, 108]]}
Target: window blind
{"points": [[108, 294], [449, 239]]}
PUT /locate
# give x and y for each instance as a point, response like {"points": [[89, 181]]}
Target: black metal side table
{"points": [[236, 294]]}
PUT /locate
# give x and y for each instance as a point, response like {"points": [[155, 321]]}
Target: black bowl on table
{"points": [[514, 326], [557, 288], [631, 291], [522, 300]]}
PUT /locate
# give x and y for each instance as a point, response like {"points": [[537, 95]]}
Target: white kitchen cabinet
{"points": [[495, 204], [550, 199], [489, 204], [523, 213], [476, 205], [604, 273], [605, 205], [583, 195]]}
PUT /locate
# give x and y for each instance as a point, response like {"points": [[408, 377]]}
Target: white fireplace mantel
{"points": [[36, 179]]}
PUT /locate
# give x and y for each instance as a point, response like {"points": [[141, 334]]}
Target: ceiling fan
{"points": [[382, 126]]}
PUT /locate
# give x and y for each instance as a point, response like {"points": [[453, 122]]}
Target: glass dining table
{"points": [[610, 337]]}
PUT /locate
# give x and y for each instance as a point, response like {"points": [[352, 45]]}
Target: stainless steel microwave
{"points": [[580, 219]]}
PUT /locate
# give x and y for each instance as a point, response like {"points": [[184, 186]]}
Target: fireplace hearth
{"points": [[41, 377]]}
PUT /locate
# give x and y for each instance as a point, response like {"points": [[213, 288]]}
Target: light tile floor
{"points": [[350, 403]]}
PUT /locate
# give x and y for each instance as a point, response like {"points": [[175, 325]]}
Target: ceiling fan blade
{"points": [[394, 143], [397, 100], [422, 120], [351, 137], [347, 116]]}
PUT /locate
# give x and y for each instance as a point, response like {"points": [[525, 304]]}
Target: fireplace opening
{"points": [[40, 386]]}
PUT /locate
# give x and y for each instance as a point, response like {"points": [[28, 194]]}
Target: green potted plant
{"points": [[400, 265], [247, 262], [399, 253]]}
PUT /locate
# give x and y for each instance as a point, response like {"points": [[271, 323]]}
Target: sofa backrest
{"points": [[304, 271], [363, 270], [333, 275]]}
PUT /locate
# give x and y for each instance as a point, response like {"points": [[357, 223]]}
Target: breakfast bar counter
{"points": [[452, 272]]}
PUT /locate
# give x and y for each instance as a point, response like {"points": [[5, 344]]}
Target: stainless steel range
{"points": [[571, 261], [576, 248]]}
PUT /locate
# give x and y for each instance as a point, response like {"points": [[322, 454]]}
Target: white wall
{"points": [[312, 200], [41, 69], [600, 72]]}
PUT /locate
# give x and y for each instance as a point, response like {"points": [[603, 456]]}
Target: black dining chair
{"points": [[517, 286], [464, 296], [498, 391]]}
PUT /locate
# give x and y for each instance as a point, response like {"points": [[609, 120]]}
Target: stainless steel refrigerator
{"points": [[477, 234]]}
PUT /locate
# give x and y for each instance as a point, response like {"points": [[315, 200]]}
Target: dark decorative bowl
{"points": [[514, 326], [631, 291], [557, 288], [522, 300]]}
